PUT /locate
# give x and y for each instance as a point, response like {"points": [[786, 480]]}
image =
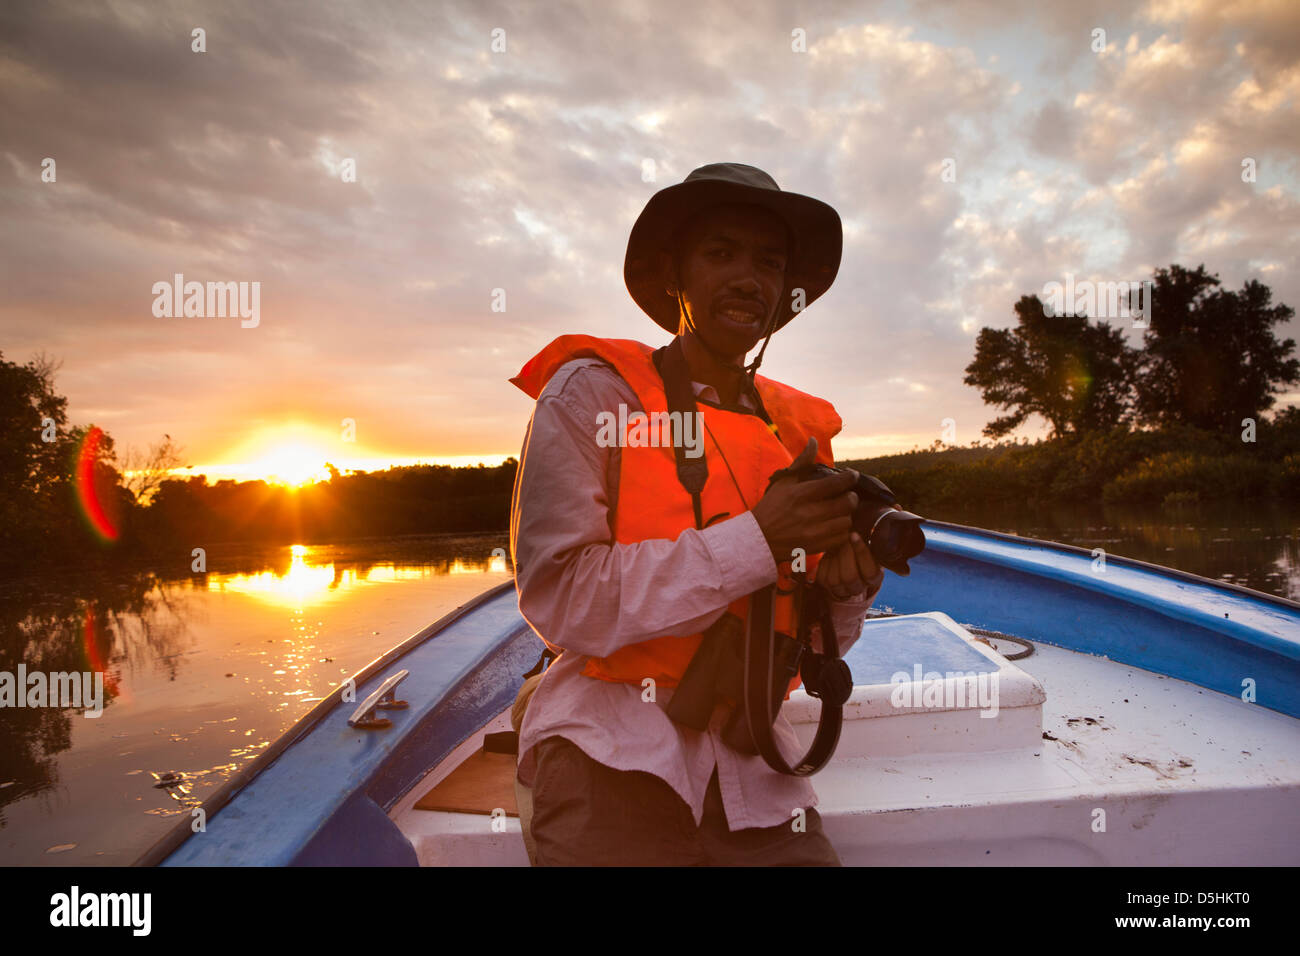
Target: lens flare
{"points": [[88, 495], [90, 642]]}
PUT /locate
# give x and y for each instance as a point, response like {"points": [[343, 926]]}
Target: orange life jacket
{"points": [[741, 452]]}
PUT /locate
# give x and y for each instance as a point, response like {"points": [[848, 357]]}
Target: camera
{"points": [[716, 672], [893, 536]]}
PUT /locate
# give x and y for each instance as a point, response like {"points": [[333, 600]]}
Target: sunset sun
{"points": [[292, 464]]}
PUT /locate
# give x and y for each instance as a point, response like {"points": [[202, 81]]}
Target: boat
{"points": [[1142, 716]]}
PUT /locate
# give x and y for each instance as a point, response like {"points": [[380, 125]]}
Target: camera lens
{"points": [[897, 538], [893, 536]]}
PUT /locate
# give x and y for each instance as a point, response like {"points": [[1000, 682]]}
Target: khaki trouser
{"points": [[524, 795], [584, 813]]}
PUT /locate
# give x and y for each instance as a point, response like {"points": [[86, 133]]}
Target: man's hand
{"points": [[814, 515], [848, 571]]}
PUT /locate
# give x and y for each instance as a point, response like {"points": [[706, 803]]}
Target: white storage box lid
{"points": [[923, 684]]}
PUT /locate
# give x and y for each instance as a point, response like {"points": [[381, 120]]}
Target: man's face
{"points": [[733, 275]]}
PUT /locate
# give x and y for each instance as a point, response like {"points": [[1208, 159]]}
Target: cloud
{"points": [[522, 171]]}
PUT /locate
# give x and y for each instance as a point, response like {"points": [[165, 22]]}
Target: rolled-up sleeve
{"points": [[579, 589], [847, 617]]}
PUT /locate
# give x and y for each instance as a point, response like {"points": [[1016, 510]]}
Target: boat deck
{"points": [[1183, 775], [1130, 768]]}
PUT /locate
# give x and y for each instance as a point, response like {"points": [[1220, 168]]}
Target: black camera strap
{"points": [[825, 676], [693, 473]]}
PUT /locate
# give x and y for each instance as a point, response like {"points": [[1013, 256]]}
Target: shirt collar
{"points": [[710, 394]]}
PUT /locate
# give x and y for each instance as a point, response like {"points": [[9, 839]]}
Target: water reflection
{"points": [[301, 584], [202, 671], [315, 575], [107, 627]]}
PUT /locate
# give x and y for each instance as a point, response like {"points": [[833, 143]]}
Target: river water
{"points": [[204, 671], [1254, 544]]}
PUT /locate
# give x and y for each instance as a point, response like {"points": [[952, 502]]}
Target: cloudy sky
{"points": [[524, 170]]}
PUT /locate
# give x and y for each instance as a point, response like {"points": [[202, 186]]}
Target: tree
{"points": [[1077, 375], [36, 454], [143, 472], [34, 438], [1210, 357], [38, 461]]}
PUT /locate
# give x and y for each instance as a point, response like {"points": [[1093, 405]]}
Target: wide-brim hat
{"points": [[815, 226]]}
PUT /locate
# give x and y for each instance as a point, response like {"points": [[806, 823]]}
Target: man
{"points": [[622, 567]]}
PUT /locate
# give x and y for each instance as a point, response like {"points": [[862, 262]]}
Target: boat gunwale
{"points": [[174, 838]]}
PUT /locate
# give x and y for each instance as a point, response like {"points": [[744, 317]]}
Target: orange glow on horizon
{"points": [[266, 467], [291, 454], [294, 454]]}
